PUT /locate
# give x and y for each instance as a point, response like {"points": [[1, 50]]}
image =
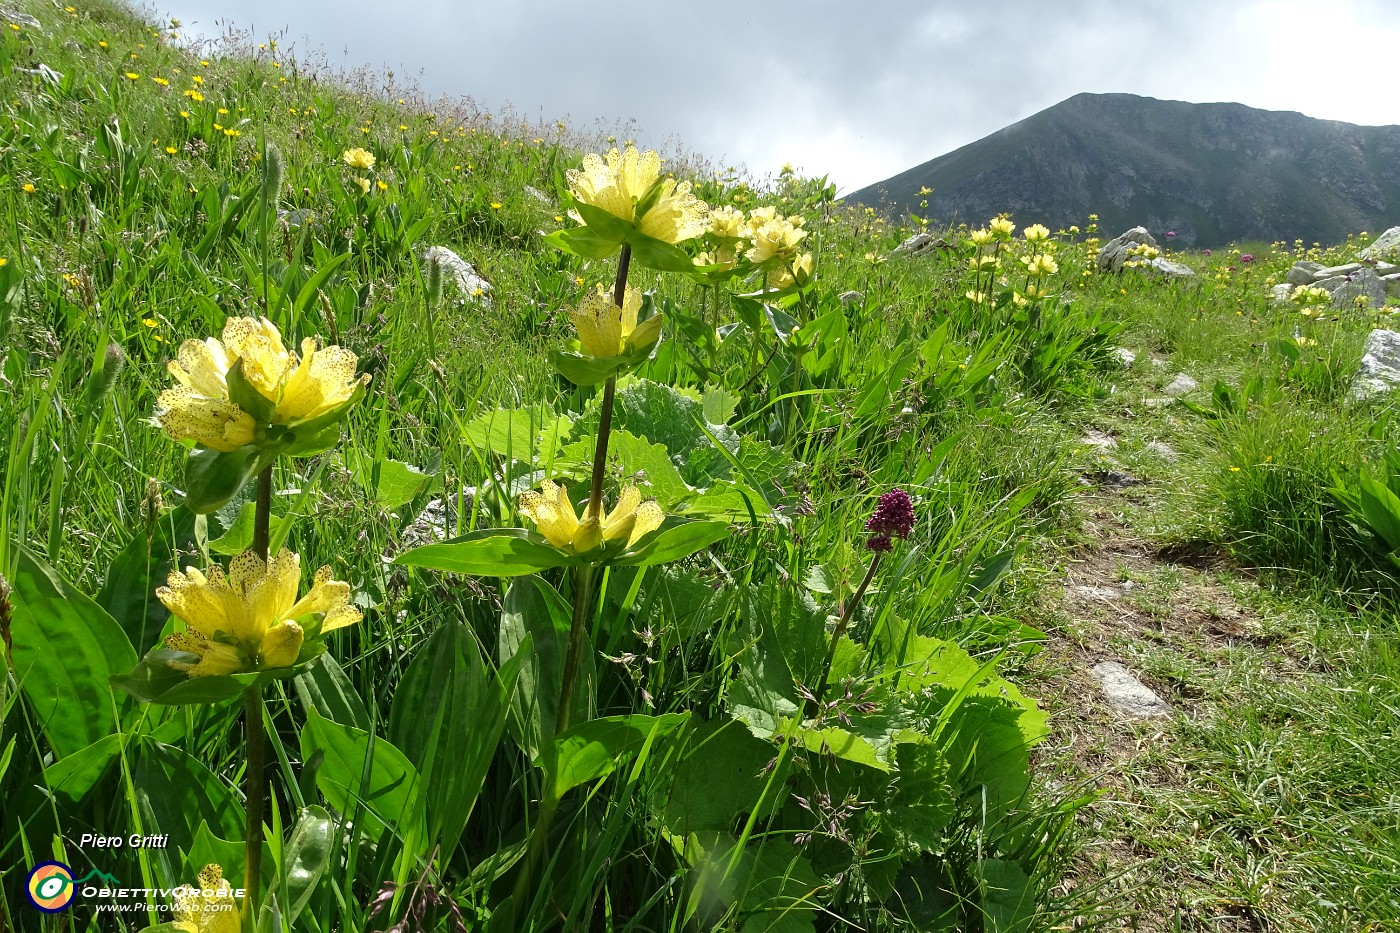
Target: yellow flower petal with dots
{"points": [[616, 181], [553, 514], [300, 388], [247, 618], [207, 907], [605, 330]]}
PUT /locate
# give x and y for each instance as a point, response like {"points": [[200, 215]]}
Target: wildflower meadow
{"points": [[416, 519]]}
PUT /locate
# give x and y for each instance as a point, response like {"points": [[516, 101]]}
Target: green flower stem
{"points": [[253, 782], [846, 612], [583, 609], [600, 451]]}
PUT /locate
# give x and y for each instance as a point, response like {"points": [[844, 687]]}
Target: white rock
{"points": [[1181, 385], [1115, 252], [1166, 268], [1392, 284], [1161, 449], [850, 298], [1360, 284], [1385, 246], [1347, 269], [1098, 439], [537, 194], [468, 281], [1281, 293], [1379, 370], [1126, 693], [1123, 355], [919, 244], [1303, 272]]}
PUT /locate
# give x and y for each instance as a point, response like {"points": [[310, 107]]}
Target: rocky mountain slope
{"points": [[1213, 173]]}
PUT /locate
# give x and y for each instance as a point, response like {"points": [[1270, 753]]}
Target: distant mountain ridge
{"points": [[1213, 173]]}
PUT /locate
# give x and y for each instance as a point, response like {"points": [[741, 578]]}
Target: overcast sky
{"points": [[856, 90]]}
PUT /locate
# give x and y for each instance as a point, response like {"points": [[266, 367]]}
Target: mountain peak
{"points": [[1214, 173]]}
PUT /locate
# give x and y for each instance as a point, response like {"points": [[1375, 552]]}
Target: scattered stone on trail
{"points": [[1386, 246], [1282, 293], [1158, 402], [1126, 693], [1303, 272], [1102, 593], [920, 244], [1161, 449], [1115, 252], [1181, 385], [1392, 284], [850, 298], [1360, 284], [1123, 355], [1160, 363], [1166, 268], [1379, 370], [468, 281], [1098, 439], [1331, 282], [1112, 479]]}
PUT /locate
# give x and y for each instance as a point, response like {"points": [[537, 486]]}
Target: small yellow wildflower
{"points": [[132, 76], [28, 187], [163, 82]]}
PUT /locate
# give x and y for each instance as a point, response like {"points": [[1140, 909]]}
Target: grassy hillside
{"points": [[812, 661]]}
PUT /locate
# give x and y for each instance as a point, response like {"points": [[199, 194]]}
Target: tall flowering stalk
{"points": [[893, 518]]}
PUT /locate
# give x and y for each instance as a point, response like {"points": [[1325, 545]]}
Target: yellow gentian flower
{"points": [[726, 223], [773, 237], [605, 330], [1002, 227], [358, 158], [209, 906], [982, 237], [296, 389], [621, 182], [1036, 232], [247, 619], [1040, 264], [630, 520]]}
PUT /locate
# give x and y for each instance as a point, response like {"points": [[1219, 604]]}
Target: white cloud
{"points": [[857, 91]]}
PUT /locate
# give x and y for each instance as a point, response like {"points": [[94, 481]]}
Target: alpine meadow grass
{"points": [[414, 518]]}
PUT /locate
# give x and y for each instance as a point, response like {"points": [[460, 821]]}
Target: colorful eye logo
{"points": [[50, 887]]}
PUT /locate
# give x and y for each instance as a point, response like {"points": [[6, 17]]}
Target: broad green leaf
{"points": [[129, 592], [534, 632], [844, 745], [658, 254], [74, 775], [448, 715], [324, 687], [582, 242], [398, 483], [923, 802], [769, 882], [1008, 896], [153, 680], [365, 778], [595, 749], [64, 649], [659, 475], [677, 539], [722, 776], [213, 478], [527, 434], [604, 224], [488, 552], [306, 858], [175, 794]]}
